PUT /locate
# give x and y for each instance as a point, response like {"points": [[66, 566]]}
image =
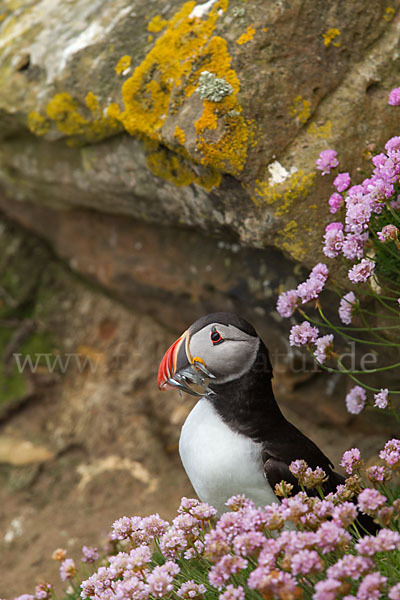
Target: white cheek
{"points": [[228, 360], [238, 361]]}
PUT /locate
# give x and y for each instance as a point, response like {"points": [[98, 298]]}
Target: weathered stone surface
{"points": [[172, 274], [19, 452], [305, 76]]}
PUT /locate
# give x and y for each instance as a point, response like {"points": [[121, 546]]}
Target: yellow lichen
{"points": [[170, 166], [331, 35], [157, 24], [298, 185], [93, 104], [158, 87], [123, 63], [389, 13], [168, 63], [321, 131], [290, 240], [64, 110], [170, 72], [37, 123], [247, 36], [179, 135], [2, 16], [300, 109]]}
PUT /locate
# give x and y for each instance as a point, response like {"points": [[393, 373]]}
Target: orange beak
{"points": [[169, 363]]}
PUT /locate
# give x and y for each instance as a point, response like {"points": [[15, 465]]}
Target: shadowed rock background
{"points": [[130, 205]]}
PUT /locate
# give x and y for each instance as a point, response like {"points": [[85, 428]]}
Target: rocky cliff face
{"points": [[164, 154]]}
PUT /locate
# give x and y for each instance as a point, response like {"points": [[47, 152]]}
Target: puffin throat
{"points": [[248, 404]]}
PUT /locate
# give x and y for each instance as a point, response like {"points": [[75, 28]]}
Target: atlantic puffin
{"points": [[236, 439]]}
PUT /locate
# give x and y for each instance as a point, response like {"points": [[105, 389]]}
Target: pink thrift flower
{"points": [[320, 271], [324, 508], [253, 519], [378, 473], [309, 289], [353, 245], [153, 526], [216, 544], [129, 587], [43, 591], [361, 272], [230, 524], [239, 501], [187, 504], [358, 214], [232, 593], [89, 555], [327, 589], [287, 303], [335, 202], [221, 572], [388, 233], [370, 500], [381, 399], [67, 569], [342, 182], [371, 586], [173, 542], [273, 584], [246, 543], [139, 557], [355, 400], [294, 507], [124, 527], [186, 524], [333, 239], [301, 335], [203, 511], [298, 467], [391, 453], [347, 307], [327, 160], [324, 348], [350, 566], [274, 517], [160, 580], [393, 144], [394, 97], [351, 461], [189, 590], [97, 583], [345, 513], [394, 592], [118, 564], [330, 536], [389, 540], [306, 561]]}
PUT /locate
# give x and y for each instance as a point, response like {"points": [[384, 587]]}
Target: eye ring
{"points": [[216, 337]]}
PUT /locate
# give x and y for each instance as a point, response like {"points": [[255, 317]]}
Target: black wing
{"points": [[277, 458]]}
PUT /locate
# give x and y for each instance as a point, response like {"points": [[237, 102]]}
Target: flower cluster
{"points": [[303, 547], [366, 237]]}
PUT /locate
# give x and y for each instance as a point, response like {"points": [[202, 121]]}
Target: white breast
{"points": [[220, 462]]}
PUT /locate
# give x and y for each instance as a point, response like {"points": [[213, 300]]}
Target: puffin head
{"points": [[218, 348]]}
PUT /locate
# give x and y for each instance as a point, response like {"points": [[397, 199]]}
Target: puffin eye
{"points": [[216, 337]]}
